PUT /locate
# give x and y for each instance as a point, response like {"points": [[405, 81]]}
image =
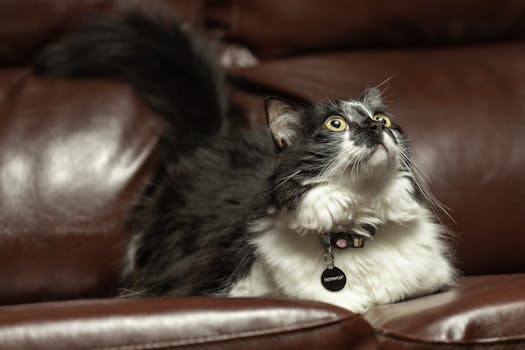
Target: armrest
{"points": [[162, 323]]}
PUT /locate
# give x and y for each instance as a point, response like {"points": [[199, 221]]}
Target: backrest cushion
{"points": [[28, 25], [274, 28]]}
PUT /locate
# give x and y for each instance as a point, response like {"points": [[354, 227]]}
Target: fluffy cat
{"points": [[262, 212]]}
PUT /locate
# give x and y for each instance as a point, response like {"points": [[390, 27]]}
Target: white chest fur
{"points": [[407, 256]]}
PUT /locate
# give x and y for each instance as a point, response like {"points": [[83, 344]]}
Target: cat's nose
{"points": [[374, 131], [375, 127]]}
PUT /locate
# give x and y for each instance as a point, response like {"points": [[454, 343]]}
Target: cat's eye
{"points": [[335, 124], [383, 119]]}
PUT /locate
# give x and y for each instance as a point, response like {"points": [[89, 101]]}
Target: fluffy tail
{"points": [[170, 68]]}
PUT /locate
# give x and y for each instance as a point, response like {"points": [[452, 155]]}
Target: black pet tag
{"points": [[333, 279]]}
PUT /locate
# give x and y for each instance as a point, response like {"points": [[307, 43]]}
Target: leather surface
{"points": [[74, 156], [180, 323], [462, 109], [274, 28], [28, 25], [486, 312]]}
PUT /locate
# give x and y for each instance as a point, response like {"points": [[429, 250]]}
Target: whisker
{"points": [[287, 178], [420, 179]]}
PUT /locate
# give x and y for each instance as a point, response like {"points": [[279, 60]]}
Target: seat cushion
{"points": [[182, 323], [485, 312], [462, 109]]}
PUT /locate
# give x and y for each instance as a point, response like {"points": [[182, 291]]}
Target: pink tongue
{"points": [[341, 243]]}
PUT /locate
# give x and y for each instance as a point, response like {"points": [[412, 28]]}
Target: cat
{"points": [[324, 204]]}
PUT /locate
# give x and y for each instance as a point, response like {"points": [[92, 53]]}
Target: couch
{"points": [[76, 154]]}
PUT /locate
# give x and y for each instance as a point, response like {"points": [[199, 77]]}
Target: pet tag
{"points": [[333, 279]]}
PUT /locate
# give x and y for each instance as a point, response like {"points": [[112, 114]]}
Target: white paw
{"points": [[321, 210]]}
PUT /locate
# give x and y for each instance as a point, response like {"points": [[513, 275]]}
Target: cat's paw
{"points": [[349, 301], [321, 210]]}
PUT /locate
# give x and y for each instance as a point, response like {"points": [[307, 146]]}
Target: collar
{"points": [[350, 239], [343, 240]]}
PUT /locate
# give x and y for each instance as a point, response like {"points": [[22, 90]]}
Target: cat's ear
{"points": [[284, 121], [372, 98]]}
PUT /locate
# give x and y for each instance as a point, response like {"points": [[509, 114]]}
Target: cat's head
{"points": [[355, 143]]}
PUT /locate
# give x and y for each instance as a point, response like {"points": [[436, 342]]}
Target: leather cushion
{"points": [[74, 156], [182, 323], [276, 28], [485, 312], [29, 25]]}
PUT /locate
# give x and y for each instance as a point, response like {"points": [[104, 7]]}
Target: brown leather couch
{"points": [[74, 156]]}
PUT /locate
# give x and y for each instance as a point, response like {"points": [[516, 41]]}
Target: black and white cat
{"points": [[326, 204]]}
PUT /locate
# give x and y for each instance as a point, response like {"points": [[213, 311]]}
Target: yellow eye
{"points": [[383, 119], [335, 124]]}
